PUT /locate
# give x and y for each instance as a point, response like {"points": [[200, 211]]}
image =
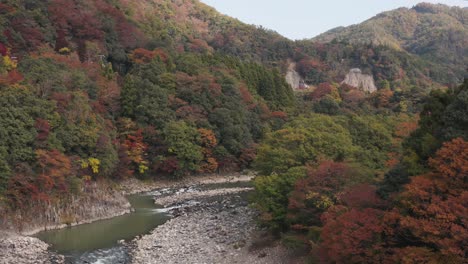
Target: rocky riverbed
{"points": [[25, 250], [212, 223], [216, 229]]}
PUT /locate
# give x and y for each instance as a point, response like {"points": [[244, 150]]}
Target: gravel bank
{"points": [[221, 231], [180, 198], [134, 186], [16, 249]]}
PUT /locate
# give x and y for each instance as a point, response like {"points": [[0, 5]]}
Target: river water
{"points": [[97, 242]]}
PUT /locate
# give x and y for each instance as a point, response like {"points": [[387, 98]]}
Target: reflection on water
{"points": [[97, 242]]}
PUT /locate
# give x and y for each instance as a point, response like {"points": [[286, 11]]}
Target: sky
{"points": [[299, 19]]}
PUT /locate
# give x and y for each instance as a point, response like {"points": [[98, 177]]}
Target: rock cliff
{"points": [[294, 79], [361, 81]]}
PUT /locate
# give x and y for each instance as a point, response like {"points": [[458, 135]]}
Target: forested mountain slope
{"points": [[92, 90], [437, 33], [114, 89]]}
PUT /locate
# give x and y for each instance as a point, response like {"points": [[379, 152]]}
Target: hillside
{"points": [[96, 95], [94, 90], [437, 33]]}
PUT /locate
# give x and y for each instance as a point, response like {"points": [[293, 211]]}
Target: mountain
{"points": [[437, 33], [119, 88]]}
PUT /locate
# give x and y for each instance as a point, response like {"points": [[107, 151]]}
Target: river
{"points": [[97, 242]]}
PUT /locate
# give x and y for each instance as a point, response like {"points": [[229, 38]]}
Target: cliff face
{"points": [[294, 79], [361, 81]]}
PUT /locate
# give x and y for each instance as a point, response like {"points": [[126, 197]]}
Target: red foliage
{"points": [[192, 113], [5, 9], [246, 96], [314, 194], [21, 190], [280, 115], [29, 31], [141, 55], [321, 90], [199, 45], [208, 138], [3, 48], [382, 97], [352, 96], [360, 196], [43, 129], [308, 64], [124, 167], [54, 164], [434, 206], [354, 236], [248, 155], [136, 148], [12, 77], [63, 100], [170, 165]]}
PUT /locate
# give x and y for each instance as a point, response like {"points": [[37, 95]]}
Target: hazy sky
{"points": [[297, 19]]}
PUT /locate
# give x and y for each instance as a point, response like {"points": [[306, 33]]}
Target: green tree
{"points": [[183, 142], [305, 139]]}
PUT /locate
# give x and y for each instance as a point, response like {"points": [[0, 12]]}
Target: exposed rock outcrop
{"points": [[294, 79], [364, 82], [98, 201]]}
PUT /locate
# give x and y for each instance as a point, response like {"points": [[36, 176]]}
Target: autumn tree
{"points": [[319, 191], [55, 168], [433, 206], [208, 142]]}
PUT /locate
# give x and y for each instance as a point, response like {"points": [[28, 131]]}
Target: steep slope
{"points": [[437, 33], [93, 90]]}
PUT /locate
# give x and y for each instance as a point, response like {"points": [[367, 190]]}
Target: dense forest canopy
{"points": [[118, 89]]}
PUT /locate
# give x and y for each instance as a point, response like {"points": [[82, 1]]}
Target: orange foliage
{"points": [[55, 168], [208, 142], [434, 206], [141, 56], [208, 138], [353, 237], [279, 114]]}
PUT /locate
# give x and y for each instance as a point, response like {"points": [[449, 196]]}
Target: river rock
{"points": [[25, 250]]}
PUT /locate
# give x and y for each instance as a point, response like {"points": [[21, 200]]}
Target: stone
{"points": [[357, 79]]}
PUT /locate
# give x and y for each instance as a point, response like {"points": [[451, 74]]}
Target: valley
{"points": [[163, 131]]}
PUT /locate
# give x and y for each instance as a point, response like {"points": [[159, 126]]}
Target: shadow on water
{"points": [[98, 242]]}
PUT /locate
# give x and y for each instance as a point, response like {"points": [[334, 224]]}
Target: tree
{"points": [[55, 168], [433, 206], [305, 139], [319, 191], [271, 196], [183, 142], [208, 142], [353, 236]]}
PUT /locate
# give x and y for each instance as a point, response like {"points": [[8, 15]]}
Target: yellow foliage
{"points": [[91, 162], [142, 168], [65, 51], [87, 178], [320, 201], [84, 164], [8, 63], [94, 163]]}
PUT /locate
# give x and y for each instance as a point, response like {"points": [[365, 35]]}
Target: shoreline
{"points": [[22, 247], [134, 186], [220, 230]]}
